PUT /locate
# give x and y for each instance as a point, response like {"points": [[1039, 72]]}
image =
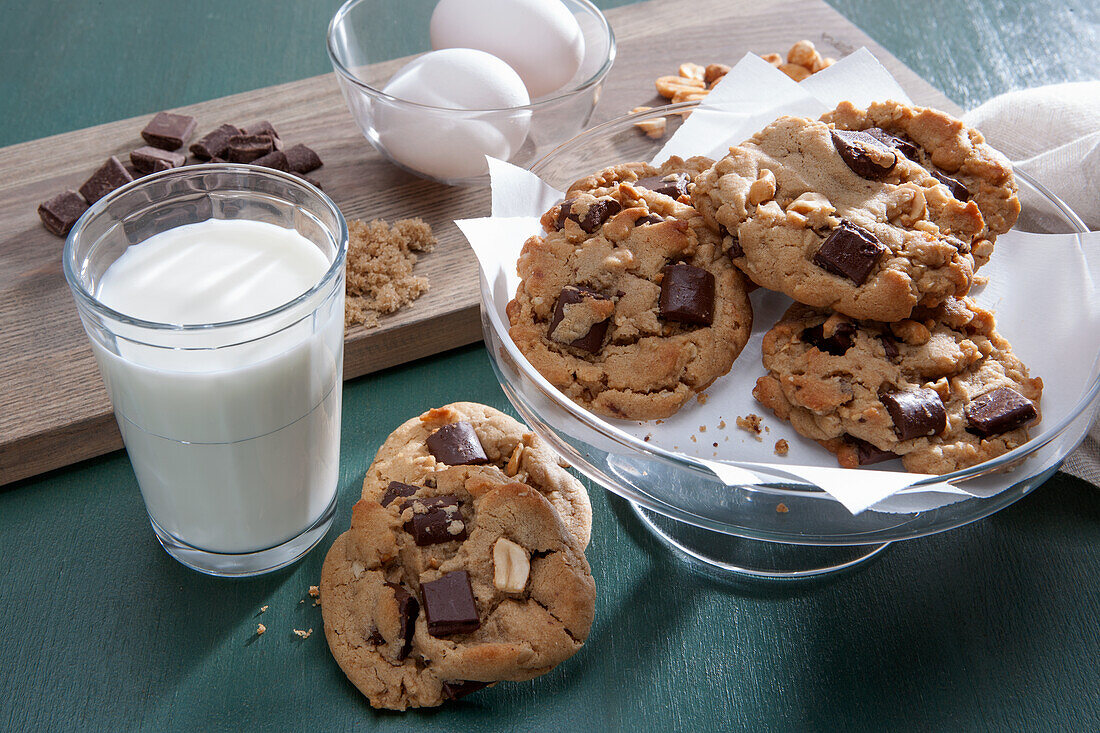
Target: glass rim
{"points": [[351, 77], [68, 258]]}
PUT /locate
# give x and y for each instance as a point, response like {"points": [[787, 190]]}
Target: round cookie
{"points": [[503, 442], [445, 587], [627, 304], [951, 151], [943, 389], [839, 220]]}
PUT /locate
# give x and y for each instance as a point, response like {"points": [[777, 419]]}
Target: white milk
{"points": [[236, 449]]}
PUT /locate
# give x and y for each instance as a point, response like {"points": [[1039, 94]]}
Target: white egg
{"points": [[449, 144], [540, 39]]}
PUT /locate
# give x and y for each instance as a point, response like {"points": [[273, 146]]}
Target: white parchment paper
{"points": [[1042, 287]]}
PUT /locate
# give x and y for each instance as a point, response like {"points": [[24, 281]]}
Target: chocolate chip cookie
{"points": [[628, 304], [466, 433], [942, 389], [453, 583], [837, 219], [956, 155]]}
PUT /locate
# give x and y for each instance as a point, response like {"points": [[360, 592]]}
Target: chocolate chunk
{"points": [[671, 185], [61, 212], [262, 127], [375, 638], [889, 345], [600, 211], [449, 606], [111, 175], [276, 159], [916, 413], [687, 295], [168, 131], [869, 453], [849, 251], [837, 344], [455, 690], [148, 159], [648, 219], [866, 155], [313, 182], [457, 445], [735, 250], [396, 489], [246, 148], [956, 187], [906, 147], [302, 159], [408, 608], [999, 411], [592, 341], [214, 143], [436, 524]]}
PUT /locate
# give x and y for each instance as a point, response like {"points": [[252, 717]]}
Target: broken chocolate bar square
{"points": [[262, 127], [246, 148], [111, 175], [917, 413], [849, 251], [408, 608], [148, 159], [457, 444], [276, 160], [598, 212], [302, 159], [999, 411], [61, 212], [435, 520], [672, 185], [687, 295], [958, 190], [449, 605], [396, 489], [168, 131], [592, 341], [215, 143], [866, 155]]}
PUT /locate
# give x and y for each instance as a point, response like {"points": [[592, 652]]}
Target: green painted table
{"points": [[992, 626]]}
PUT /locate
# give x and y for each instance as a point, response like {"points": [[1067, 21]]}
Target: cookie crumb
{"points": [[692, 439], [260, 629], [702, 428], [314, 591], [781, 447], [716, 444], [751, 424], [303, 634], [721, 424], [781, 508], [701, 398], [263, 609], [648, 437], [379, 268]]}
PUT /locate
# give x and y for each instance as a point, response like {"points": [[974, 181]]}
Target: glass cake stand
{"points": [[737, 530]]}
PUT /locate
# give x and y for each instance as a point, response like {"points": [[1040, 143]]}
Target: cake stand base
{"points": [[736, 556]]}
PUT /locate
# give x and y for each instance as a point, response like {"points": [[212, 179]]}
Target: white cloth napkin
{"points": [[1053, 134]]}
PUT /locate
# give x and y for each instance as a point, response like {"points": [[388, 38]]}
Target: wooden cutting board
{"points": [[53, 407]]}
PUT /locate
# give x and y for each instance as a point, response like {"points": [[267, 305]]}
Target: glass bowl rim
{"points": [[345, 73]]}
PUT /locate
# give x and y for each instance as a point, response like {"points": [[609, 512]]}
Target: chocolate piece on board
{"points": [[434, 523], [107, 178], [396, 489], [61, 212], [865, 154], [168, 131], [916, 413], [262, 127], [849, 251], [675, 185], [246, 148], [687, 295], [956, 187], [457, 444], [408, 608], [449, 605], [302, 159], [999, 411], [215, 143], [148, 159], [276, 160], [592, 341]]}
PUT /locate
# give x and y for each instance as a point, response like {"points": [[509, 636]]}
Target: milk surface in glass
{"points": [[235, 447]]}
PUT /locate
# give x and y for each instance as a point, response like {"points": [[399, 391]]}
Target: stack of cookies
{"points": [[464, 564], [874, 221]]}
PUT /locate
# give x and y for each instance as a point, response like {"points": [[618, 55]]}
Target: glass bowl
{"points": [[365, 39], [683, 500]]}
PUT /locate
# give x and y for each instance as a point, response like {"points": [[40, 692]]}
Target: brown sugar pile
{"points": [[380, 265]]}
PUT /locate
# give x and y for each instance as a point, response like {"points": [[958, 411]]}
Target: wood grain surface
{"points": [[56, 411]]}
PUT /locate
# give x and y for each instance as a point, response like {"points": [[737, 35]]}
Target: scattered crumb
{"points": [[767, 429], [263, 609], [314, 591], [750, 423], [722, 425], [317, 602], [781, 508], [716, 444], [659, 421], [260, 629], [302, 601], [303, 634], [692, 438], [702, 398], [648, 437], [380, 264], [702, 428], [781, 447]]}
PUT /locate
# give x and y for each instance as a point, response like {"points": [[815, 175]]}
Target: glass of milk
{"points": [[213, 297]]}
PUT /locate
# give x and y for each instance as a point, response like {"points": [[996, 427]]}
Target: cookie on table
{"points": [[942, 389], [467, 433], [838, 220], [953, 153], [452, 584], [628, 304]]}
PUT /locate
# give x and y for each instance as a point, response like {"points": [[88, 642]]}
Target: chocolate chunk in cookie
{"points": [[687, 295], [457, 444], [836, 344], [408, 608], [916, 413], [867, 156], [648, 219], [868, 454], [955, 186], [449, 605], [900, 144], [434, 520], [395, 490], [590, 340], [850, 251], [455, 690], [999, 411], [595, 213], [674, 184]]}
